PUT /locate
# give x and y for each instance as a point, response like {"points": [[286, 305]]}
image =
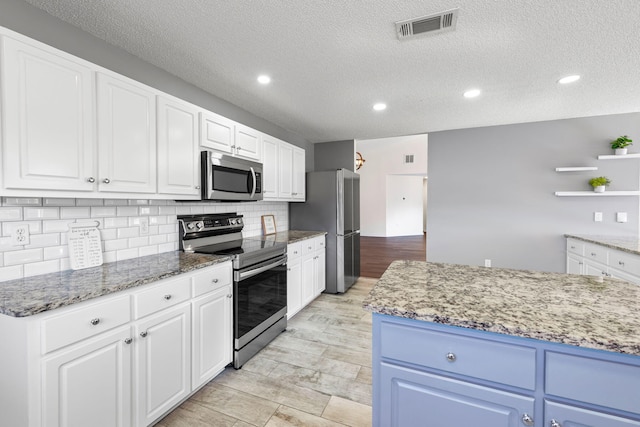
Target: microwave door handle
{"points": [[253, 176]]}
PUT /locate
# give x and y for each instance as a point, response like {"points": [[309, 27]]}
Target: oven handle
{"points": [[253, 189], [251, 273]]}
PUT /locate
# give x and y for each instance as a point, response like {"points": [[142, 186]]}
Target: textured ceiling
{"points": [[330, 60]]}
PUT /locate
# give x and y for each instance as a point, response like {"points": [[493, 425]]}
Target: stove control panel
{"points": [[214, 223]]}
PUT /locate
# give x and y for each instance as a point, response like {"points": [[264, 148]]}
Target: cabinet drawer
{"points": [[73, 326], [211, 279], [308, 246], [575, 247], [595, 253], [294, 250], [163, 295], [483, 359], [624, 262], [615, 385], [319, 243], [572, 416]]}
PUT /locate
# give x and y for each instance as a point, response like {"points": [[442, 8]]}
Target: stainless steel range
{"points": [[259, 277]]}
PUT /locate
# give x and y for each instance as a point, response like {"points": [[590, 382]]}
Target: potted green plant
{"points": [[599, 183], [620, 145]]}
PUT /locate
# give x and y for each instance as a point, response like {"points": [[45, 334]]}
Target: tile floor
{"points": [[315, 374]]}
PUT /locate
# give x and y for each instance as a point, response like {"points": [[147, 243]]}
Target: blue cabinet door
{"points": [[411, 398], [569, 416]]}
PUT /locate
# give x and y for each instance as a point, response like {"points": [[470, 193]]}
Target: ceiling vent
{"points": [[431, 24]]}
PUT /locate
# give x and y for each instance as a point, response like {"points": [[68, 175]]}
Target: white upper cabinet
{"points": [[285, 182], [283, 170], [48, 119], [248, 143], [270, 167], [216, 132], [126, 136], [299, 181], [178, 153]]}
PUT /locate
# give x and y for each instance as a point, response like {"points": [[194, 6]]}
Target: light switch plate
{"points": [[597, 216], [621, 216]]}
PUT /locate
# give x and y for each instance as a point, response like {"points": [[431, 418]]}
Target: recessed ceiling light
{"points": [[569, 79], [472, 93], [264, 79], [379, 106]]}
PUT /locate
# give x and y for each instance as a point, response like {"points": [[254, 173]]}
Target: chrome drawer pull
{"points": [[229, 296], [106, 180], [554, 423], [128, 340], [95, 321], [214, 281], [621, 263], [143, 334], [167, 297], [527, 420], [451, 357], [593, 254]]}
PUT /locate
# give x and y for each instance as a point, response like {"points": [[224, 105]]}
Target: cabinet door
{"points": [[48, 119], [126, 136], [308, 282], [162, 362], [591, 268], [285, 168], [178, 152], [617, 274], [104, 364], [216, 132], [320, 273], [248, 143], [212, 335], [410, 398], [270, 168], [299, 176], [569, 416], [574, 264], [294, 287]]}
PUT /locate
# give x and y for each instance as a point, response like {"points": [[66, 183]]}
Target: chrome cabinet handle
{"points": [[143, 334], [527, 420], [593, 254], [238, 148], [451, 357], [91, 179], [554, 423], [95, 321], [621, 263], [106, 180], [197, 187], [214, 281], [167, 297], [229, 296], [128, 340]]}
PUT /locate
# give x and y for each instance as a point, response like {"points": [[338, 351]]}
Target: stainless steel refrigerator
{"points": [[333, 205]]}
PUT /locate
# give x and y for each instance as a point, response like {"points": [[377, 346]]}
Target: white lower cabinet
{"points": [[124, 360], [596, 260], [306, 276]]}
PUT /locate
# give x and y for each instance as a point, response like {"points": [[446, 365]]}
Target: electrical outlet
{"points": [[621, 216], [487, 263], [144, 226], [597, 216], [20, 235]]}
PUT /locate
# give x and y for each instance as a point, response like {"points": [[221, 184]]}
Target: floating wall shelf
{"points": [[594, 194], [614, 157], [577, 169]]}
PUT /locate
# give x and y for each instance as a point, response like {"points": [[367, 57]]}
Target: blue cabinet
{"points": [[433, 375]]}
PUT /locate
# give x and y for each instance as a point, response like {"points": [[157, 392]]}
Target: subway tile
{"points": [[75, 212], [148, 210], [167, 210], [128, 232], [127, 211], [148, 250], [153, 229], [115, 245], [168, 229], [183, 210], [43, 240], [89, 202], [11, 273], [109, 256], [103, 211], [65, 264], [23, 257], [138, 202], [41, 213], [50, 201], [159, 220], [156, 239], [43, 267], [159, 202], [115, 222], [21, 201], [109, 234], [6, 244], [168, 247], [56, 252], [196, 210], [137, 242], [56, 226], [11, 214], [126, 254], [115, 202]]}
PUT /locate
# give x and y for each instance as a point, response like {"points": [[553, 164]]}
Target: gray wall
{"points": [[491, 190], [21, 17], [335, 155]]}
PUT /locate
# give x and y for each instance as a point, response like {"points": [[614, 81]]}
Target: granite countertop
{"points": [[37, 294], [293, 236], [629, 244], [578, 310]]}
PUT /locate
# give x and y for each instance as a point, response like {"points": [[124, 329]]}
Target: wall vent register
{"points": [[430, 24]]}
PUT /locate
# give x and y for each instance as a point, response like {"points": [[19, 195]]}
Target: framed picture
{"points": [[268, 225]]}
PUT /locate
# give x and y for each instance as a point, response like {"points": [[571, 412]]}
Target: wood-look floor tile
{"points": [[365, 375], [347, 412], [260, 365], [237, 404], [288, 341], [289, 417], [358, 357], [191, 414], [326, 365]]}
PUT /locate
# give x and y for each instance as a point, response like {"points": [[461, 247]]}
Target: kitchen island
{"points": [[464, 345]]}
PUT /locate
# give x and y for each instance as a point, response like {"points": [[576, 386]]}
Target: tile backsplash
{"points": [[120, 228]]}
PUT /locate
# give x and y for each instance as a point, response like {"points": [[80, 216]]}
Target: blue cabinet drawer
{"points": [[480, 358], [572, 416], [600, 382]]}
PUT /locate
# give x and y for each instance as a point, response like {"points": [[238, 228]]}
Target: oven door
{"points": [[260, 298], [229, 178]]}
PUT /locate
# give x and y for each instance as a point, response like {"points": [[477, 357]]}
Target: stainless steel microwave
{"points": [[230, 179]]}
